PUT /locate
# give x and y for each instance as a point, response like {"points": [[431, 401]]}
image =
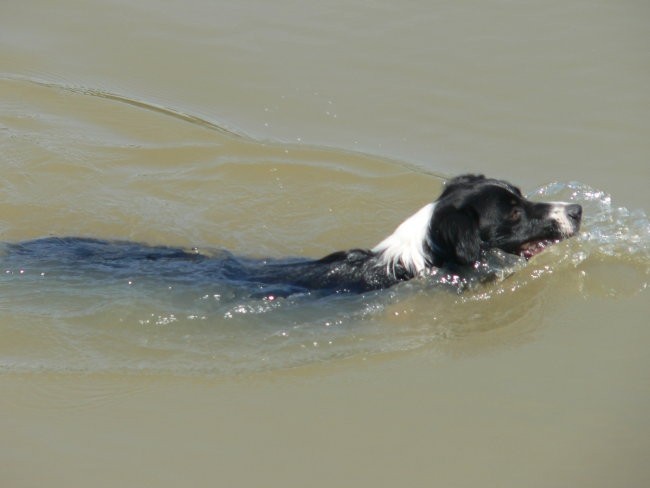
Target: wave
{"points": [[150, 106]]}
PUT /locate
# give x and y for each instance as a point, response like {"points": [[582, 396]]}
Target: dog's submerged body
{"points": [[472, 216]]}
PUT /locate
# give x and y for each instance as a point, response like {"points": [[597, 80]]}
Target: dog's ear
{"points": [[455, 234]]}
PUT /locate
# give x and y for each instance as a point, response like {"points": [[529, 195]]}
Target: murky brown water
{"points": [[291, 129]]}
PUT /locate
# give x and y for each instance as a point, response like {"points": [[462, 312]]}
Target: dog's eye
{"points": [[515, 214]]}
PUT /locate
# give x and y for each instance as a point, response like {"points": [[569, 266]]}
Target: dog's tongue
{"points": [[533, 248]]}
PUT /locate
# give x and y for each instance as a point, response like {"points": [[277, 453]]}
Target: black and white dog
{"points": [[472, 216]]}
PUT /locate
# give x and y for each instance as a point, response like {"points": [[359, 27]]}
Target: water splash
{"points": [[607, 230], [613, 248]]}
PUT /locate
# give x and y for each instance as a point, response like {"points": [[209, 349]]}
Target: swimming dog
{"points": [[471, 217]]}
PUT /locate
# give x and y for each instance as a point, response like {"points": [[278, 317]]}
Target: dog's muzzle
{"points": [[567, 216]]}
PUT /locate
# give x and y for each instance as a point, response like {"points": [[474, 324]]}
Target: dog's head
{"points": [[475, 214]]}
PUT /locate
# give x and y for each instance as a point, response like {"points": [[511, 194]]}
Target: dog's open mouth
{"points": [[532, 248]]}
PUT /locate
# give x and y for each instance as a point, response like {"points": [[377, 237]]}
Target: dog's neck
{"points": [[409, 246]]}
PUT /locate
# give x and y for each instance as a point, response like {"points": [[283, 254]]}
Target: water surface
{"points": [[292, 129], [175, 315]]}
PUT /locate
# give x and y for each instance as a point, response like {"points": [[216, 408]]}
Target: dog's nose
{"points": [[574, 211]]}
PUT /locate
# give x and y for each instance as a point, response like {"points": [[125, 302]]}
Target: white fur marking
{"points": [[558, 213], [406, 244]]}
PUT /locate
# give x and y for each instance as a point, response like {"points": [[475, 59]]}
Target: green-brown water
{"points": [[294, 130]]}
